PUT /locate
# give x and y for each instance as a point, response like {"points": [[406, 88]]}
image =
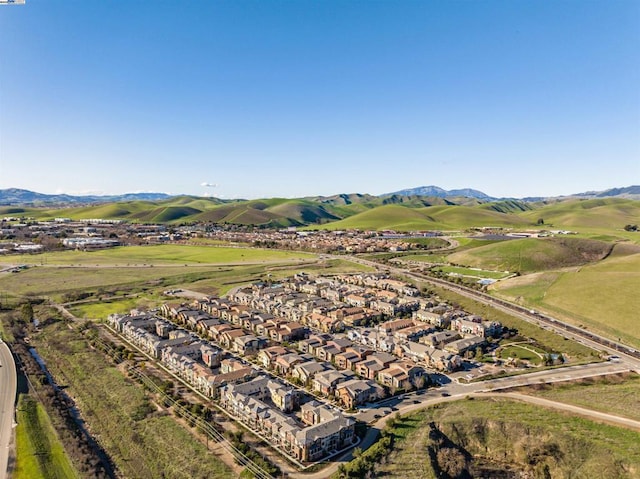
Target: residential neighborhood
{"points": [[288, 358]]}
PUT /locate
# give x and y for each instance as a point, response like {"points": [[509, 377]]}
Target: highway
{"points": [[8, 386]]}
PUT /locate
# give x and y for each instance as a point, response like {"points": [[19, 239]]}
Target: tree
{"points": [[479, 354], [452, 461], [540, 221], [27, 313]]}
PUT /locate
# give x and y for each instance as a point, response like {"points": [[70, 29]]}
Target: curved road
{"points": [[8, 386]]}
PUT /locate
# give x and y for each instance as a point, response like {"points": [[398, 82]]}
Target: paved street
{"points": [[8, 385], [454, 391]]}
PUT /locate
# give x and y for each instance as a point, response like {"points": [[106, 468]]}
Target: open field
{"points": [[603, 296], [136, 267], [62, 271], [507, 435], [169, 254], [616, 394], [216, 281], [142, 441], [39, 453], [224, 280], [102, 309], [51, 281]]}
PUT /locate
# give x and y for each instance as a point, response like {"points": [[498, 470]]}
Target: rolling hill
{"points": [[601, 213], [444, 217], [605, 216], [533, 254]]}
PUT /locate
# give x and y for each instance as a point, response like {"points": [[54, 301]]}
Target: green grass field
{"points": [[55, 281], [149, 447], [169, 254], [516, 436], [102, 309], [522, 352], [603, 296], [217, 282], [39, 453], [619, 395]]}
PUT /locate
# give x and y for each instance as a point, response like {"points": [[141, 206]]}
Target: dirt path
{"points": [[372, 433], [580, 411]]}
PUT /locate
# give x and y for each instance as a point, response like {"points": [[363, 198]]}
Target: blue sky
{"points": [[298, 98]]}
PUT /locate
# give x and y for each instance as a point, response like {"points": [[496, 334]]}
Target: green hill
{"points": [[462, 217], [609, 213], [356, 211], [601, 296], [447, 217], [507, 206], [394, 217], [533, 254], [303, 212]]}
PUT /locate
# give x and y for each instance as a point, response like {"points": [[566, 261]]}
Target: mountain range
{"points": [[442, 193], [399, 211], [16, 196]]}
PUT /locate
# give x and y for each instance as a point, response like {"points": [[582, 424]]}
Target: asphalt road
{"points": [[8, 386], [378, 415]]}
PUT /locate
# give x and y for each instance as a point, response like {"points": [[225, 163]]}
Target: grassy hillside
{"points": [[445, 217], [500, 439], [533, 254], [508, 206], [602, 296], [609, 213], [462, 217], [356, 211], [394, 217]]}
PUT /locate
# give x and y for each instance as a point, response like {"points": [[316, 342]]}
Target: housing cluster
{"points": [[288, 358], [33, 236], [350, 241]]}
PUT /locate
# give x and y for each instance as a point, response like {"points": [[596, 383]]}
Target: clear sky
{"points": [[297, 98]]}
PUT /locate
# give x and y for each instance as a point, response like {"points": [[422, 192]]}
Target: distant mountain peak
{"points": [[17, 196], [438, 192], [632, 191]]}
